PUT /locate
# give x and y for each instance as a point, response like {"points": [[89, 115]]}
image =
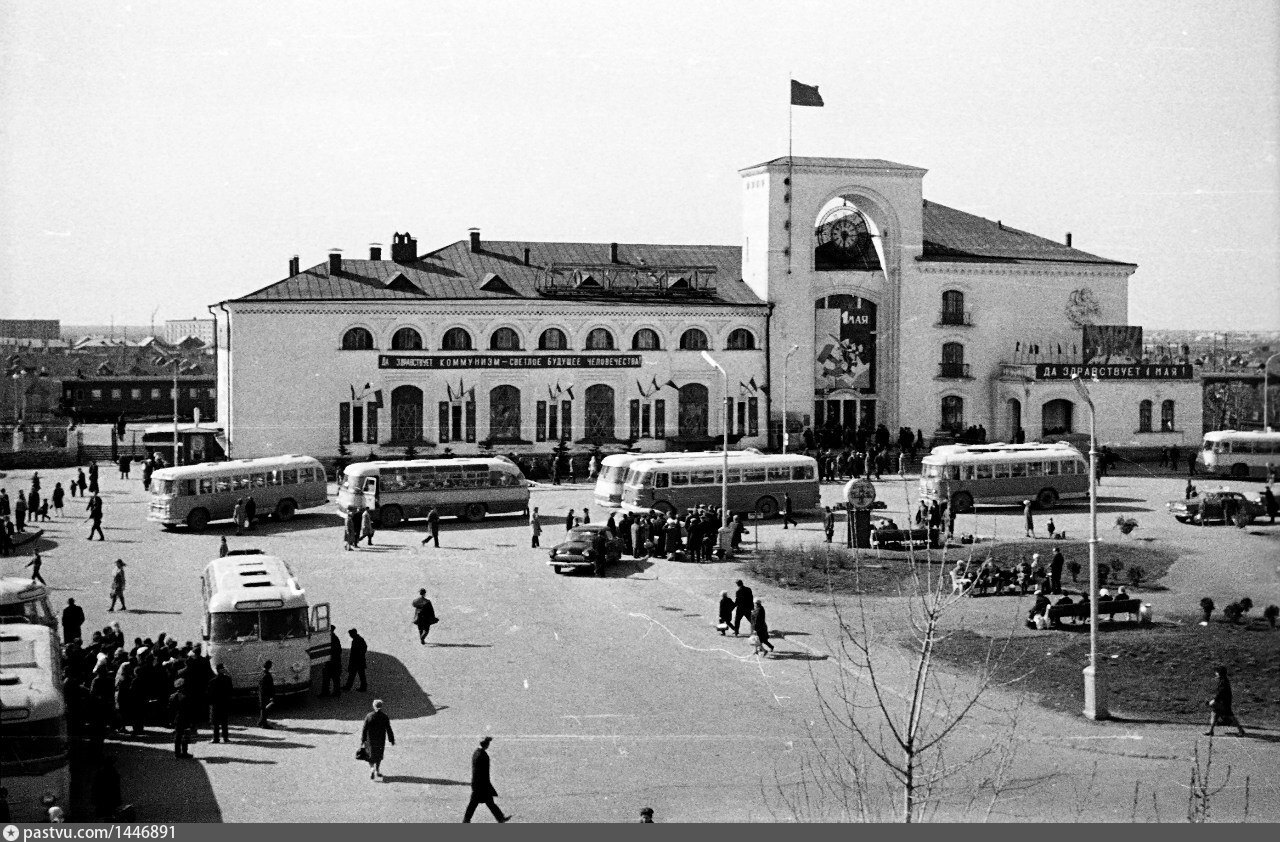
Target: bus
{"points": [[469, 488], [961, 475], [757, 482], [613, 470], [34, 748], [196, 494], [25, 601], [255, 611], [1239, 454]]}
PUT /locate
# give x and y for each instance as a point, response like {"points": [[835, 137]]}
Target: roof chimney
{"points": [[293, 266], [613, 252], [475, 240], [1000, 224], [1068, 239], [375, 251], [335, 261], [404, 248], [526, 257]]}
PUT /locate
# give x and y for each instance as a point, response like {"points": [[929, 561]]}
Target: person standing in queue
{"points": [[220, 704], [482, 791], [433, 527], [356, 662], [374, 737], [72, 620], [180, 715], [333, 667], [743, 603]]}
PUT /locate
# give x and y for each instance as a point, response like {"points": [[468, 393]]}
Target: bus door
{"points": [[318, 635], [370, 491]]}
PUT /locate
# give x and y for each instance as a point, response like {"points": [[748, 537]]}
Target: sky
{"points": [[156, 158]]}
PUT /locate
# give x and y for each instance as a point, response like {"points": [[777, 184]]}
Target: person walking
{"points": [[220, 692], [57, 496], [117, 586], [35, 564], [237, 514], [424, 615], [223, 549], [829, 523], [350, 529], [1269, 503], [743, 602], [482, 791], [266, 694], [94, 507], [1028, 520], [1220, 705], [1055, 571], [333, 667], [72, 621], [356, 661], [374, 737], [433, 528], [760, 626], [366, 527], [726, 612], [568, 520], [93, 478], [535, 528], [180, 718], [787, 516]]}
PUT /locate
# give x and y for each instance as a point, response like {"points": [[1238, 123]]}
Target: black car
{"points": [[581, 548], [1215, 505]]}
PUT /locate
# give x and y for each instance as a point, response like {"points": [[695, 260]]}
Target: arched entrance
{"points": [[406, 414], [504, 412], [1056, 417], [694, 399], [599, 413], [1015, 421]]}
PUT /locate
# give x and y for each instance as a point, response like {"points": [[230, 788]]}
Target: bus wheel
{"points": [[285, 510], [1240, 471], [556, 568], [390, 517], [767, 507], [962, 502], [1047, 498], [664, 507], [198, 520], [474, 512]]}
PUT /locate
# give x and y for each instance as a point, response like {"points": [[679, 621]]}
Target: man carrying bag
{"points": [[424, 615]]}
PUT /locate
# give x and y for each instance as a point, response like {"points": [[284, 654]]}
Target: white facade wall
{"points": [[1117, 403]]}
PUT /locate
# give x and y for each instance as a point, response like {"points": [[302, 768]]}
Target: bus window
{"points": [[932, 471], [734, 476], [258, 480], [779, 474], [1208, 445], [951, 472], [1002, 470], [802, 472], [284, 624], [167, 486], [187, 487], [206, 485], [273, 477], [753, 474], [291, 476], [660, 480], [1222, 447], [1052, 468], [679, 478], [966, 472], [1035, 469], [703, 477], [222, 484], [1019, 469], [1070, 467], [240, 482], [983, 471], [233, 627]]}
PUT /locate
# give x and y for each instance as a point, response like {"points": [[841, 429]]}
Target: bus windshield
{"points": [[233, 627], [284, 624]]}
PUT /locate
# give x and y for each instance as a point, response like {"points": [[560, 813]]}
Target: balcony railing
{"points": [[955, 318], [960, 370]]}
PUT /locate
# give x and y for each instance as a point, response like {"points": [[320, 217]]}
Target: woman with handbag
{"points": [[374, 738]]}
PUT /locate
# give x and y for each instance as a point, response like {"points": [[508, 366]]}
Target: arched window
{"points": [[694, 399], [1056, 417], [1144, 417], [406, 339], [1166, 416], [953, 413], [406, 414], [357, 339], [952, 308], [694, 340], [741, 339], [599, 412], [455, 339], [645, 340], [952, 364], [504, 413], [504, 339], [553, 339], [599, 340]]}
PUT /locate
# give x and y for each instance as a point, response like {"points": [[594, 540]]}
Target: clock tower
{"points": [[831, 244]]}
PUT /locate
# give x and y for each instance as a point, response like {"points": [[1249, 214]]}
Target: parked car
{"points": [[1215, 505], [581, 548]]}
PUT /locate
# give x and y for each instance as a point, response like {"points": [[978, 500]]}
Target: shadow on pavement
{"points": [[389, 680], [162, 787], [780, 655], [415, 779]]}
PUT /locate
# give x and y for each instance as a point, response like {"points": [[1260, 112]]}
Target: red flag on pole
{"points": [[805, 94]]}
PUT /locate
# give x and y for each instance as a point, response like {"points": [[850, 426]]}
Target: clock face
{"points": [[845, 230]]}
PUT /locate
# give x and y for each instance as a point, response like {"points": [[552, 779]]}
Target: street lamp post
{"points": [[1094, 690], [725, 543], [786, 360], [1266, 381]]}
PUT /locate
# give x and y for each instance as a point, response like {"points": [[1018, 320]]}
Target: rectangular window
{"points": [[646, 420], [1035, 469], [96, 394], [753, 416], [679, 478], [982, 471], [371, 423], [1166, 417], [779, 474], [734, 476], [455, 422], [240, 482], [702, 477], [194, 394], [213, 393], [635, 419], [742, 418], [115, 394], [1019, 469], [273, 477], [155, 394], [566, 419], [1002, 470], [259, 480], [659, 419], [966, 472], [357, 423], [444, 421], [471, 420], [344, 423], [553, 423], [753, 474], [540, 421], [206, 485], [727, 419], [660, 480], [187, 488], [135, 394]]}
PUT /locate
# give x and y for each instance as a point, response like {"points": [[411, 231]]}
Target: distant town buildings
{"points": [[176, 330]]}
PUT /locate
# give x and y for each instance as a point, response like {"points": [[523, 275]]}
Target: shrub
{"points": [[1233, 612], [1075, 568], [1246, 605], [1116, 565], [1270, 614], [1207, 606], [1136, 575]]}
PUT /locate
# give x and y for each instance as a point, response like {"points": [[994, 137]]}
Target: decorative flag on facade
{"points": [[805, 94]]}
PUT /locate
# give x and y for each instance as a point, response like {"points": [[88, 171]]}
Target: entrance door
{"points": [[694, 398], [1015, 420], [406, 414]]}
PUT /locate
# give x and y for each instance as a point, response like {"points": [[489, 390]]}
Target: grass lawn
{"points": [[885, 572], [1160, 673]]}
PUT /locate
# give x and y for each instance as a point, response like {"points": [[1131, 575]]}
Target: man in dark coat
{"points": [[1055, 571], [482, 791], [94, 507], [787, 516], [180, 715], [219, 693], [333, 667], [829, 523], [433, 528], [356, 661], [266, 694], [72, 620], [743, 603], [424, 615], [1220, 704], [760, 625]]}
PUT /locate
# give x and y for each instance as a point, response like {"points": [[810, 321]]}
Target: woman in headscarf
{"points": [[374, 738], [366, 527], [1220, 704], [726, 612]]}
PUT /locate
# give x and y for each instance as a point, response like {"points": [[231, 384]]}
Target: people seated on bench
{"points": [[1040, 609], [1104, 595], [1063, 603]]}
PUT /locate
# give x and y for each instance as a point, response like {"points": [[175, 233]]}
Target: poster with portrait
{"points": [[1112, 344], [845, 339]]}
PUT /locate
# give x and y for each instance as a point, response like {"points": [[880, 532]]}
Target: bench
{"points": [[1107, 607], [891, 538]]}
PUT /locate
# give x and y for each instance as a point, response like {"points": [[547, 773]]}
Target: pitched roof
{"points": [[953, 235], [456, 272]]}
